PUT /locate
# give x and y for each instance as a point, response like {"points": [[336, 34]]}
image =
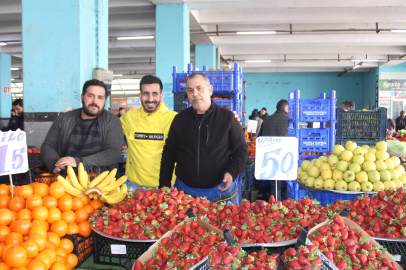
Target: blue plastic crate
{"points": [[308, 157], [249, 175], [294, 191], [314, 139], [312, 110], [328, 197]]}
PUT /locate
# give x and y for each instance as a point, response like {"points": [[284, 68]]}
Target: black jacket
{"points": [[203, 154], [400, 123], [264, 116], [15, 122], [275, 125]]}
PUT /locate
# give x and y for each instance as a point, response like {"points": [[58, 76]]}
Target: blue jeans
{"points": [[133, 186]]}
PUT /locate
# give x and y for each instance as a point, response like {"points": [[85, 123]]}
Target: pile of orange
{"points": [[251, 147], [36, 224]]}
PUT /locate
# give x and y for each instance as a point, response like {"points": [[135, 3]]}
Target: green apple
{"points": [[314, 172], [349, 176], [358, 151], [385, 176], [299, 170], [342, 165], [354, 186], [368, 166], [329, 184], [304, 164], [370, 157], [389, 164], [341, 185], [396, 160], [367, 186], [394, 174], [332, 160], [361, 177], [326, 174], [381, 146], [350, 146], [400, 169], [318, 162], [380, 165], [372, 150], [358, 159], [324, 158], [366, 148], [312, 162], [324, 166], [378, 186], [389, 185], [402, 179], [374, 176], [398, 183], [303, 177], [318, 183], [355, 167], [380, 154], [309, 167], [309, 182], [346, 155], [338, 175], [337, 149]]}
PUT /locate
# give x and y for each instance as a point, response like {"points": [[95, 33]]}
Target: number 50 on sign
{"points": [[276, 158], [13, 152]]}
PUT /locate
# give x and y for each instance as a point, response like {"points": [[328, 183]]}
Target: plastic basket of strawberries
{"points": [[306, 258], [226, 257]]}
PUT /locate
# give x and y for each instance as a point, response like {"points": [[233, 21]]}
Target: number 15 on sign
{"points": [[276, 158], [13, 152]]}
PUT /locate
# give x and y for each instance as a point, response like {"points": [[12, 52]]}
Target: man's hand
{"points": [[228, 179], [57, 170], [236, 116], [63, 162]]}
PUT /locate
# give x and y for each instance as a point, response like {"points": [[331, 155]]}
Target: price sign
{"points": [[13, 152], [6, 90], [276, 158]]}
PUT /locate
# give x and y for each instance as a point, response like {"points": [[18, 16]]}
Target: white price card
{"points": [[276, 158], [118, 249], [13, 152]]}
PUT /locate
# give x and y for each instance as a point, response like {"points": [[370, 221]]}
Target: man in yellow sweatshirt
{"points": [[146, 130]]}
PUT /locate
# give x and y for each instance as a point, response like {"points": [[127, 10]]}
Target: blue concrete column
{"points": [[205, 55], [172, 44], [63, 42], [5, 81]]}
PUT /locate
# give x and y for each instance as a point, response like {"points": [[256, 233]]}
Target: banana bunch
{"points": [[104, 187]]}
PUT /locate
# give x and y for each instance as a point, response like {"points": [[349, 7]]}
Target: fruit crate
{"points": [[397, 249], [329, 197], [312, 110], [34, 160], [307, 157], [362, 124], [314, 139], [240, 181], [223, 81], [19, 179], [294, 191], [249, 172], [359, 142], [41, 174], [82, 246], [180, 102]]}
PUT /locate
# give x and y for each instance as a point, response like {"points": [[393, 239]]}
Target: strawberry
{"points": [[227, 258], [215, 261]]}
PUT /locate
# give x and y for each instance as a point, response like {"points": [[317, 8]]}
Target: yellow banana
{"points": [[91, 196], [98, 179], [116, 198], [73, 179], [68, 180], [82, 175], [69, 188], [115, 185], [108, 179], [113, 192]]}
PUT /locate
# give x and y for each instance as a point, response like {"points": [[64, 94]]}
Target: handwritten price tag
{"points": [[13, 152], [276, 158]]}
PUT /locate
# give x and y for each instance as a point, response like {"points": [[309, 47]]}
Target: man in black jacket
{"points": [[264, 114], [401, 121], [207, 144]]}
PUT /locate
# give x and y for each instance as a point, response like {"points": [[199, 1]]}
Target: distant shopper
{"points": [[254, 111], [255, 116], [263, 113], [348, 105], [121, 111], [401, 121], [17, 117]]}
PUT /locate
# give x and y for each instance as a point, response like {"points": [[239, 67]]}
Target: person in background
{"points": [[391, 124], [254, 111], [264, 114], [401, 121], [87, 135], [348, 105], [255, 116], [17, 117], [121, 111], [207, 144]]}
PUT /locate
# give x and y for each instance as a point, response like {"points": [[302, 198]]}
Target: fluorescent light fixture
{"points": [[357, 66], [138, 37], [117, 75], [398, 30], [14, 68], [368, 60], [258, 61], [257, 33], [3, 43], [12, 79]]}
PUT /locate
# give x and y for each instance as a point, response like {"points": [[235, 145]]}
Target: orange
{"points": [[4, 232], [51, 253], [15, 215], [40, 239], [65, 203], [15, 256], [81, 215], [59, 227], [16, 204], [14, 239], [71, 260], [4, 201], [73, 228], [25, 191], [50, 245], [66, 245], [24, 214], [88, 208], [40, 223], [85, 229], [21, 226], [41, 189], [49, 202], [40, 213], [37, 264], [85, 199], [5, 249], [61, 259], [6, 216], [15, 191], [39, 230], [58, 266], [56, 190], [53, 237], [61, 252], [96, 204], [54, 214], [4, 190], [45, 257], [4, 266], [33, 201], [77, 203], [68, 216], [32, 248]]}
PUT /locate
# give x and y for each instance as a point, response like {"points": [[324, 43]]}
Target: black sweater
{"points": [[203, 154], [276, 124]]}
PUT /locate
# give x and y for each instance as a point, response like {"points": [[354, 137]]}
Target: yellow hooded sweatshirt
{"points": [[146, 135]]}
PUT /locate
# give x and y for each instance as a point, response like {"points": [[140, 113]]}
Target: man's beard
{"points": [[88, 113], [153, 109]]}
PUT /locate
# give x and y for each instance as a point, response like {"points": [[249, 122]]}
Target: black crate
{"points": [[34, 160], [102, 250], [396, 249], [179, 102], [19, 179], [360, 142], [82, 246], [41, 174]]}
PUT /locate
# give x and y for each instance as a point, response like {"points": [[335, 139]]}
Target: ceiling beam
{"points": [[295, 69], [128, 3], [114, 43], [132, 20]]}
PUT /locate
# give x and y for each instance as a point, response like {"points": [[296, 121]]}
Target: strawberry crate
{"points": [[82, 246], [396, 248]]}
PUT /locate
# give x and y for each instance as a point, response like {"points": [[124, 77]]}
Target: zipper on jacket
{"points": [[207, 134], [198, 151]]}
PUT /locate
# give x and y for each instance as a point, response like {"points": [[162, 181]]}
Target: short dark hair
{"points": [[281, 104], [263, 108], [121, 108], [194, 75], [18, 102], [349, 105], [402, 112], [150, 79], [94, 82]]}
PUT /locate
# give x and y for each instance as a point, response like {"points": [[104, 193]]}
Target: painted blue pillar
{"points": [[5, 81], [172, 44], [205, 55], [63, 42]]}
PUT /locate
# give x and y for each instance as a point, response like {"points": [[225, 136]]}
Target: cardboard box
{"points": [[148, 254], [352, 225]]}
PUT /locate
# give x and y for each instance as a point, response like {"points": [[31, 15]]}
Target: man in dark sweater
{"points": [[401, 121], [88, 135], [207, 144], [264, 114]]}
